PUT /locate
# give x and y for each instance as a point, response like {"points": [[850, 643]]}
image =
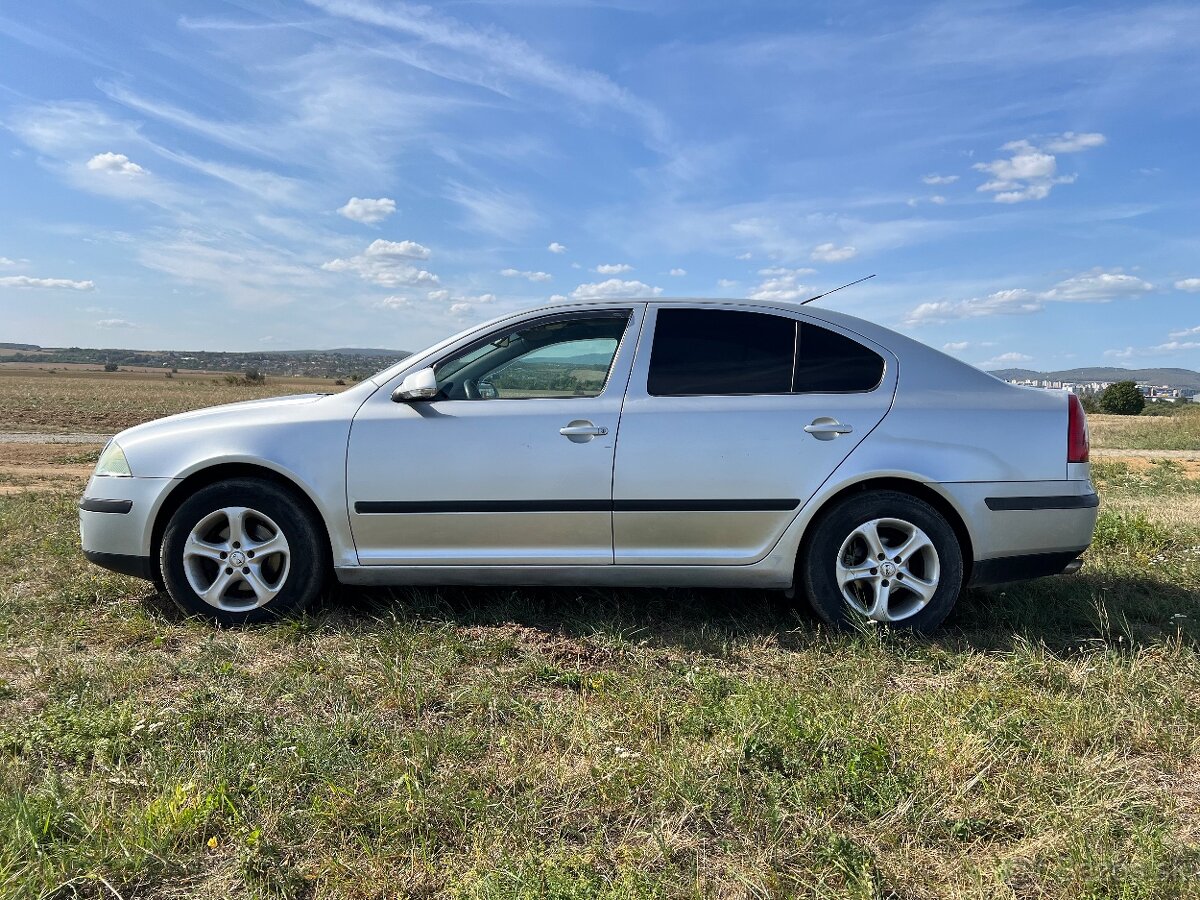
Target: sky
{"points": [[1021, 177]]}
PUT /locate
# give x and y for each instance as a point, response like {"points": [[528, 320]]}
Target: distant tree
{"points": [[253, 376], [1122, 399], [110, 367], [1089, 403]]}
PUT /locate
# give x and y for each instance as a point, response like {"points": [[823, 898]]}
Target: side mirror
{"points": [[420, 385]]}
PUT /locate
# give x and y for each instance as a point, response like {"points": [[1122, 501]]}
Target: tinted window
{"points": [[720, 351], [827, 362]]}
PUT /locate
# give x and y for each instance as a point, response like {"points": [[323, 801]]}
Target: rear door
{"points": [[733, 418]]}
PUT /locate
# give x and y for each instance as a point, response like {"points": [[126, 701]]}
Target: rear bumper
{"points": [[1028, 565], [1038, 521]]}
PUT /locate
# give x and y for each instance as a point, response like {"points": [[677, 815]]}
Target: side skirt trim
{"points": [[419, 507]]}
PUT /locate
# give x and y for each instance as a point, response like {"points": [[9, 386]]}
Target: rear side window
{"points": [[721, 351], [831, 363], [727, 352]]}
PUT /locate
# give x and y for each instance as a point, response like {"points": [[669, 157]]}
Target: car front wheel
{"points": [[242, 551], [884, 556]]}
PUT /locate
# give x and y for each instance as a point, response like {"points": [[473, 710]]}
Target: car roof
{"points": [[865, 327]]}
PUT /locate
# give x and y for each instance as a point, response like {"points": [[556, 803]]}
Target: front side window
{"points": [[713, 352], [559, 358]]}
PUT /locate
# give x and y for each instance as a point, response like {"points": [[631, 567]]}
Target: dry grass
{"points": [[1177, 432], [39, 401]]}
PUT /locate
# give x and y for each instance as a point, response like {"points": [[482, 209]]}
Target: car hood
{"points": [[268, 409]]}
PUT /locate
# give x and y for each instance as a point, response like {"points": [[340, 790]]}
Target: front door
{"points": [[733, 418], [511, 464]]}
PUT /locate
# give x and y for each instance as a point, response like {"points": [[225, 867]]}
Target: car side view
{"points": [[696, 443]]}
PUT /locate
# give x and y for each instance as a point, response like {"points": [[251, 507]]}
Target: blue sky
{"points": [[242, 176]]}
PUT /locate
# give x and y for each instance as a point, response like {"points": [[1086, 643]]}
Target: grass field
{"points": [[598, 744], [42, 401], [1177, 432]]}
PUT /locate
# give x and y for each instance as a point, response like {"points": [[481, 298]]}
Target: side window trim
{"points": [[639, 375]]}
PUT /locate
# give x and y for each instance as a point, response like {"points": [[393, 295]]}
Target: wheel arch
{"points": [[224, 471], [919, 489]]}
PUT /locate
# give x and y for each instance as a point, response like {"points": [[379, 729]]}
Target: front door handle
{"points": [[826, 429], [581, 430]]}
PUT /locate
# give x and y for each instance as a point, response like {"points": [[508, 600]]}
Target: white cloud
{"points": [[1031, 172], [556, 247], [939, 179], [387, 263], [114, 164], [5, 261], [678, 273], [1191, 285], [558, 298], [1098, 287], [1004, 360], [956, 346], [782, 284], [26, 281], [438, 296], [726, 283], [937, 199], [395, 301], [780, 270], [614, 287], [460, 309], [830, 253], [532, 276], [1090, 287], [1166, 348], [1011, 302], [368, 211], [494, 59], [495, 211], [115, 323], [613, 268], [1071, 142], [745, 256]]}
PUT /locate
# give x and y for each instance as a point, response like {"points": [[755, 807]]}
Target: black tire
{"points": [[308, 551], [819, 557]]}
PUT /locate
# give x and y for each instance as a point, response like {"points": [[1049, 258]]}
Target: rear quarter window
{"points": [[831, 363]]}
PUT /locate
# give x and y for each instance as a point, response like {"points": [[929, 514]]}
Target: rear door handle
{"points": [[826, 429], [582, 430]]}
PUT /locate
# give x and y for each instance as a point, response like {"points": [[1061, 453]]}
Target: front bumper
{"points": [[116, 521]]}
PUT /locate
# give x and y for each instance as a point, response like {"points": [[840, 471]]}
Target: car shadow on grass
{"points": [[1067, 614]]}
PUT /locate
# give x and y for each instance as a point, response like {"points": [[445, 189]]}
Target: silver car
{"points": [[629, 443]]}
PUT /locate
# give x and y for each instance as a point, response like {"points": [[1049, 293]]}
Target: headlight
{"points": [[112, 461]]}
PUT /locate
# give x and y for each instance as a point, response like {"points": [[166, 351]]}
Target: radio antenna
{"points": [[836, 289]]}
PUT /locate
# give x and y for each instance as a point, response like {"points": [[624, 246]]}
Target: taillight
{"points": [[1078, 443]]}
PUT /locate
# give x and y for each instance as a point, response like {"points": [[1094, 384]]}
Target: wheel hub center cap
{"points": [[887, 569], [237, 558]]}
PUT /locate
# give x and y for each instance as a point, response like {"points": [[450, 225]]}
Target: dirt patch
{"points": [[44, 467]]}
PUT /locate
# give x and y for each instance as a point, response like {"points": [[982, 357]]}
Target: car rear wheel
{"points": [[883, 556], [243, 551]]}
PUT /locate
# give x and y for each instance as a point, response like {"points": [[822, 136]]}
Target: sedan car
{"points": [[632, 443]]}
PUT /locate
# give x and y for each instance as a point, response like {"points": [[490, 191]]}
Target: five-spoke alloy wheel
{"points": [[884, 556], [242, 551]]}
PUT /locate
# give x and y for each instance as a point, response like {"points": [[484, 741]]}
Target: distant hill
{"points": [[1180, 378], [342, 362]]}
